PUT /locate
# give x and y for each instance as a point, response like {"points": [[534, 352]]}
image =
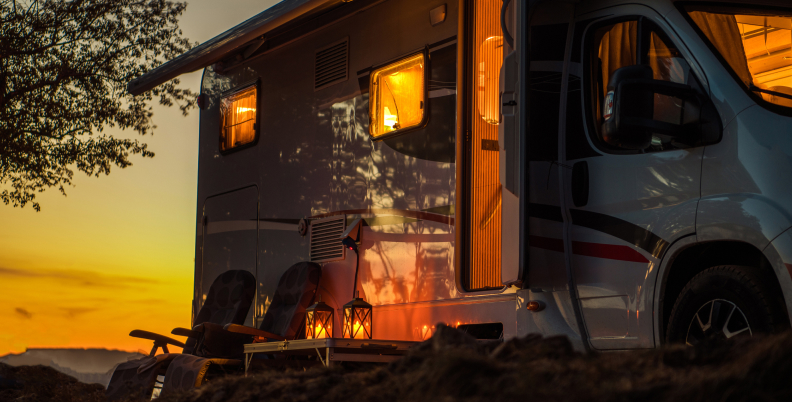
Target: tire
{"points": [[720, 303]]}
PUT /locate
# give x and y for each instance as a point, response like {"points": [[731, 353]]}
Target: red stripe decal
{"points": [[789, 268], [546, 243], [608, 251], [597, 250]]}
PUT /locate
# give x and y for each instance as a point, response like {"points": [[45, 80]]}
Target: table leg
{"points": [[318, 353], [327, 359], [248, 358]]}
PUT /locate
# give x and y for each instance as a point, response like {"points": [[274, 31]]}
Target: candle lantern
{"points": [[357, 319], [319, 320]]}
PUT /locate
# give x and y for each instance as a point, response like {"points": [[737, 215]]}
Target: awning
{"points": [[220, 46]]}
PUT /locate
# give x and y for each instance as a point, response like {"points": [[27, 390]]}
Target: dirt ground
{"points": [[454, 367]]}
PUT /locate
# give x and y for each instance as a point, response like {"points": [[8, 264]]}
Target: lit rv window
{"points": [[397, 96], [756, 44], [490, 60], [238, 112]]}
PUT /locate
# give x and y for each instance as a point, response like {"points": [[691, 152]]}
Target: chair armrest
{"points": [[157, 338], [186, 332], [241, 329]]}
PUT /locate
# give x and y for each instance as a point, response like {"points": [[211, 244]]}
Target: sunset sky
{"points": [[117, 253]]}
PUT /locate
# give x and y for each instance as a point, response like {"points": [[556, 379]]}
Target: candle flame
{"points": [[358, 331]]}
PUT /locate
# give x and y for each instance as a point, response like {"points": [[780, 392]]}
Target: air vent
{"points": [[331, 64], [326, 239]]}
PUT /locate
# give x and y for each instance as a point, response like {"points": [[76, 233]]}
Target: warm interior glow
{"points": [[768, 50], [765, 51], [485, 211], [239, 119], [318, 325], [321, 332], [490, 60], [397, 96], [356, 329]]}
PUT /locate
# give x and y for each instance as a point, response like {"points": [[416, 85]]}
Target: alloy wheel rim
{"points": [[717, 319]]}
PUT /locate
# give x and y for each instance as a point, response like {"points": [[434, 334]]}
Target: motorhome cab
{"points": [[614, 171]]}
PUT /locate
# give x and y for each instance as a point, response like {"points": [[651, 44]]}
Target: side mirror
{"points": [[630, 117]]}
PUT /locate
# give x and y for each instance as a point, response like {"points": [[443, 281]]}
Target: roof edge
{"points": [[218, 47]]}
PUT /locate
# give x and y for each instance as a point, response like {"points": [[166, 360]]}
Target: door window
{"points": [[626, 43], [667, 65]]}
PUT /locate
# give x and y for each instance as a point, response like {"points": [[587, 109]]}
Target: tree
{"points": [[64, 67]]}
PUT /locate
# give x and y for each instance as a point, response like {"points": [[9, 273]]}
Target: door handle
{"points": [[580, 184]]}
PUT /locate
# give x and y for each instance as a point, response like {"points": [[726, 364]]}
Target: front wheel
{"points": [[721, 303]]}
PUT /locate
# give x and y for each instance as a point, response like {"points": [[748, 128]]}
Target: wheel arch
{"points": [[687, 259]]}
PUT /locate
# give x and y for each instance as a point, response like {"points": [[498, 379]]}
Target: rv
{"points": [[614, 171]]}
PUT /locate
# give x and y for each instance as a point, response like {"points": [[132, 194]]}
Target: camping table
{"points": [[332, 350]]}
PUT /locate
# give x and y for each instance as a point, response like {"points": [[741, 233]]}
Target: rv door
{"points": [[509, 135], [228, 239], [625, 202]]}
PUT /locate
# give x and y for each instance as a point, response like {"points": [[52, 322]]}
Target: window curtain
{"points": [[618, 49], [723, 32]]}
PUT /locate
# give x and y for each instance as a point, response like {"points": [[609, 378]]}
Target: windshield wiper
{"points": [[767, 91]]}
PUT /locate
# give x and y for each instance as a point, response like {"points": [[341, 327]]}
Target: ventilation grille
{"points": [[331, 64], [326, 239]]}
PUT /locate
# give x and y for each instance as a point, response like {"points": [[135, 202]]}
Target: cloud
{"points": [[24, 313], [77, 277], [75, 311], [149, 301]]}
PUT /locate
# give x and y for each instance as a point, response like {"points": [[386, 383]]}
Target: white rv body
{"points": [[607, 271]]}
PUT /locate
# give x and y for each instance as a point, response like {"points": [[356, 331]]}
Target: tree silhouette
{"points": [[64, 67]]}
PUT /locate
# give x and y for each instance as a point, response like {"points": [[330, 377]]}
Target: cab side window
{"points": [[667, 65], [614, 46], [626, 43]]}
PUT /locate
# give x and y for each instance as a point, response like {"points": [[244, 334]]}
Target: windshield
{"points": [[755, 43]]}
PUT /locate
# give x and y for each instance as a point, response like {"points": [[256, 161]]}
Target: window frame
{"points": [[256, 125], [425, 118], [683, 8], [589, 73]]}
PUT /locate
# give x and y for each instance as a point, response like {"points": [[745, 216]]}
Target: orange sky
{"points": [[117, 253]]}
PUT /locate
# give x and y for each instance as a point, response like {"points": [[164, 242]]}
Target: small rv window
{"points": [[238, 113], [397, 96], [489, 61]]}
